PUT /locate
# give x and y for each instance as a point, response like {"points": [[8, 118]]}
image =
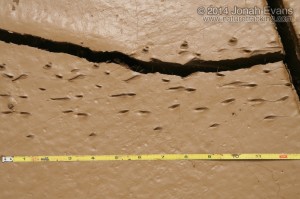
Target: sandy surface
{"points": [[166, 30], [59, 104], [295, 5]]}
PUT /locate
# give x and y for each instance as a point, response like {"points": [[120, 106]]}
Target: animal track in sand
{"points": [[184, 45], [182, 88], [68, 111], [281, 99], [201, 109], [146, 49], [233, 41], [134, 77], [80, 76], [228, 101], [257, 100], [158, 128], [59, 76], [79, 96], [25, 113], [190, 89], [144, 112], [220, 74], [75, 70], [96, 66], [4, 95], [82, 114], [235, 84], [7, 112], [2, 66], [30, 136], [270, 70], [124, 111], [174, 106], [8, 75], [272, 117], [282, 84], [165, 80], [48, 66], [214, 125], [10, 106], [92, 134], [261, 100], [177, 88], [123, 95], [60, 98], [23, 76]]}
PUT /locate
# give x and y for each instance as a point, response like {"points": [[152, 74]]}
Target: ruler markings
{"points": [[86, 158]]}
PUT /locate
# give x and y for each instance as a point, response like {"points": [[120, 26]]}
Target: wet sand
{"points": [[295, 29], [75, 107], [58, 104], [170, 31], [295, 5]]}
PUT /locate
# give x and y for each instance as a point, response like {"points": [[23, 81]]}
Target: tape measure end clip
{"points": [[7, 159]]}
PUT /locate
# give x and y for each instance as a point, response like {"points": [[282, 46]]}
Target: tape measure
{"points": [[91, 158]]}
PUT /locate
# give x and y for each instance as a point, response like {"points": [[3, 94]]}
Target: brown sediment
{"points": [[155, 65], [289, 38], [166, 121], [8, 75], [82, 114], [92, 134], [23, 76], [80, 76], [7, 112], [68, 111], [248, 107], [25, 113], [123, 94], [2, 66], [174, 106], [158, 128], [124, 111], [161, 38], [59, 98]]}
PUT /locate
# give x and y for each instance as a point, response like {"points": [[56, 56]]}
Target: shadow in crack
{"points": [[134, 64], [289, 40]]}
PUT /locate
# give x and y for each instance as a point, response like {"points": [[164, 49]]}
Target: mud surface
{"points": [[59, 104], [295, 5], [295, 24], [153, 66], [170, 31], [289, 33]]}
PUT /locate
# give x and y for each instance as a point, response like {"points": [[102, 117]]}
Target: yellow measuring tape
{"points": [[91, 158]]}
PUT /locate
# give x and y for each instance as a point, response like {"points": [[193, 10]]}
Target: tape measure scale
{"points": [[91, 158]]}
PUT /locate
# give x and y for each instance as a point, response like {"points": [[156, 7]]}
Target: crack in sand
{"points": [[290, 43], [155, 65]]}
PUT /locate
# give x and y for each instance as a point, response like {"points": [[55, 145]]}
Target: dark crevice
{"points": [[139, 65], [290, 43]]}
